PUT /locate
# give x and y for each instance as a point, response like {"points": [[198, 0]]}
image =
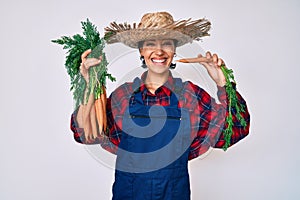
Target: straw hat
{"points": [[159, 25]]}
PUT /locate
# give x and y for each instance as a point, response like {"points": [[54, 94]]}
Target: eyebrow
{"points": [[164, 40], [149, 41]]}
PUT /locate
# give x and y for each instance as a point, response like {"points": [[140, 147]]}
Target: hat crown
{"points": [[156, 20]]}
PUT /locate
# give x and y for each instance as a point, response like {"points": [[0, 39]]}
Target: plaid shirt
{"points": [[207, 118]]}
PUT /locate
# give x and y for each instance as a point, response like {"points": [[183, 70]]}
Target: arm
{"points": [[212, 116], [209, 125], [239, 131]]}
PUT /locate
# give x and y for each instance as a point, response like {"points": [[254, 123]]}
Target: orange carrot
{"points": [[93, 121], [103, 99], [194, 60], [99, 114]]}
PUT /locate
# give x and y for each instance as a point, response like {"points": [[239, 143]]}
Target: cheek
{"points": [[171, 55]]}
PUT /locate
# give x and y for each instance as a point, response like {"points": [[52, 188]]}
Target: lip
{"points": [[159, 61]]}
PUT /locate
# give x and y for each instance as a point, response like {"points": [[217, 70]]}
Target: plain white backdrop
{"points": [[259, 39]]}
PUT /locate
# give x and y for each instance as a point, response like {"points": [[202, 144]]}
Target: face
{"points": [[158, 54]]}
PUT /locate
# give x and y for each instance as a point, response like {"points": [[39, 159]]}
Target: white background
{"points": [[259, 39]]}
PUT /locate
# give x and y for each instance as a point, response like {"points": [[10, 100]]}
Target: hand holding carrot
{"points": [[212, 63], [87, 84], [86, 63], [92, 116]]}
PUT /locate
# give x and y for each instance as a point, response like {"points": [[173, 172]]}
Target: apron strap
{"points": [[136, 85]]}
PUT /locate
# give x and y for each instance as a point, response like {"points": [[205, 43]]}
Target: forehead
{"points": [[159, 40]]}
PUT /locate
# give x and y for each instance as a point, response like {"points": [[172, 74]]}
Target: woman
{"points": [[157, 122]]}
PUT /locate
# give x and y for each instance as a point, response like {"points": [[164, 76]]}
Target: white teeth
{"points": [[158, 61]]}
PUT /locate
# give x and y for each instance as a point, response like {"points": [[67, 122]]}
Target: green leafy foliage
{"points": [[233, 106], [76, 45]]}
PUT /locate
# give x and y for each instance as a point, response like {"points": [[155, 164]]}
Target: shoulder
{"points": [[193, 89], [119, 98], [123, 91], [195, 95]]}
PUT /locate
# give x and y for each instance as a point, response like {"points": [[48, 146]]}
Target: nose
{"points": [[159, 49]]}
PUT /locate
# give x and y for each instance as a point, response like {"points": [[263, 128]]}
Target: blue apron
{"points": [[153, 153]]}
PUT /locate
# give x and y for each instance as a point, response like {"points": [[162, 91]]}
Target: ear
{"points": [[141, 51]]}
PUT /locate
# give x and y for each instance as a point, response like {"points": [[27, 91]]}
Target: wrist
{"points": [[221, 83]]}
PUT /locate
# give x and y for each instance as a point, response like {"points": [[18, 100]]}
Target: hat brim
{"points": [[132, 37], [184, 31]]}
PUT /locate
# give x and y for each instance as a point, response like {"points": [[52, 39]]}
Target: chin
{"points": [[159, 70]]}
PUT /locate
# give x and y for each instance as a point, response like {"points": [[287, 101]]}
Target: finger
{"points": [[220, 62], [91, 62], [85, 54], [205, 61], [200, 56], [215, 58], [81, 68], [95, 61], [93, 121], [208, 55]]}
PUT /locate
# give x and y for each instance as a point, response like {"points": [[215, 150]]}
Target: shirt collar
{"points": [[166, 88]]}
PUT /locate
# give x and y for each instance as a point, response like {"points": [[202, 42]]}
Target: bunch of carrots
{"points": [[90, 95], [94, 118]]}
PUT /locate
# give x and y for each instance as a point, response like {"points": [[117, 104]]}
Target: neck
{"points": [[154, 81]]}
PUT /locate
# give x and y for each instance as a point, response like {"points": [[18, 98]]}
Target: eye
{"points": [[168, 43], [149, 44]]}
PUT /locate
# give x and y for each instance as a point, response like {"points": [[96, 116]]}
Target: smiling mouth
{"points": [[158, 60]]}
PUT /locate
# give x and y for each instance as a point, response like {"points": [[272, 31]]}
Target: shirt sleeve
{"points": [[208, 121], [239, 131]]}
